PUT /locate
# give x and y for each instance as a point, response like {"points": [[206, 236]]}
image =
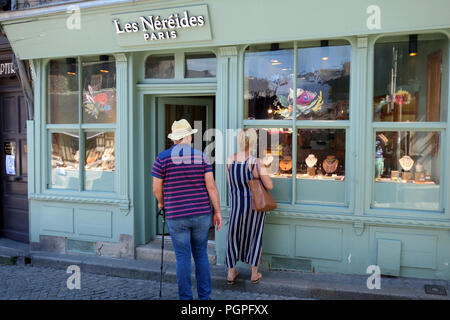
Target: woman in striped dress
{"points": [[245, 226]]}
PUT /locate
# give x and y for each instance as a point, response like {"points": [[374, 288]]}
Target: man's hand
{"points": [[217, 220], [158, 191]]}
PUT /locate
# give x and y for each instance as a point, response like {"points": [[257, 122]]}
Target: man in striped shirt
{"points": [[183, 184]]}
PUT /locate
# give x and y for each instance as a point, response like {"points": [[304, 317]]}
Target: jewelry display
{"points": [[330, 164], [406, 162], [286, 164], [311, 161], [394, 175], [419, 174], [267, 160]]}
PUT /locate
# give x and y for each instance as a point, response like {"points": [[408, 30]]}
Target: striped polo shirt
{"points": [[183, 170]]}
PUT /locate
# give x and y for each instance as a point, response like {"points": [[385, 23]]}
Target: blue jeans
{"points": [[190, 234]]}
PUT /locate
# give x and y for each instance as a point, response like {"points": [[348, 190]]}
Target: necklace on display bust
{"points": [[286, 164], [311, 161], [406, 162], [330, 164], [267, 160]]}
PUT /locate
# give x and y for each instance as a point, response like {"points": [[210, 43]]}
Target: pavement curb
{"points": [[288, 284]]}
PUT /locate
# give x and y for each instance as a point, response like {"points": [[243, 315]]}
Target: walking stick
{"points": [[162, 213]]}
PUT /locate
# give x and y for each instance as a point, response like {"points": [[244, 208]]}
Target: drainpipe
{"points": [[25, 81]]}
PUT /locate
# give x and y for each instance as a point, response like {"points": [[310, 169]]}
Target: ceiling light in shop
{"points": [[412, 45], [324, 51]]}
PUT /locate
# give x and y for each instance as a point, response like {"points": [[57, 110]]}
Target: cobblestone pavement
{"points": [[38, 283]]}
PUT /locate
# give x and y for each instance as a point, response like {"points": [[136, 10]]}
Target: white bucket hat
{"points": [[181, 129]]}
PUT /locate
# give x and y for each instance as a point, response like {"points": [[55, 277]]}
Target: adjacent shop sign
{"points": [[6, 69], [10, 157], [162, 26]]}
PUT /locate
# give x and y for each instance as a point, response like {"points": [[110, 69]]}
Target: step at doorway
{"points": [[152, 251]]}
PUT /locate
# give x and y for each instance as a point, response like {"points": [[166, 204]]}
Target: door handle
{"points": [[18, 178]]}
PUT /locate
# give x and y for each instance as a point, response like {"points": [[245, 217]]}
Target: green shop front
{"points": [[351, 106]]}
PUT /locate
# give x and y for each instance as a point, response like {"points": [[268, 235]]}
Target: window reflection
{"points": [[323, 82], [63, 91], [274, 148], [407, 157], [99, 91], [160, 67], [268, 84], [200, 65], [408, 86], [407, 170], [99, 161], [65, 160]]}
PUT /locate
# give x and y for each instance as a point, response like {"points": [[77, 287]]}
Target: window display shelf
{"points": [[388, 180], [333, 177]]}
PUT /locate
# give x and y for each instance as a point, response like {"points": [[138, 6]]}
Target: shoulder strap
{"points": [[253, 167]]}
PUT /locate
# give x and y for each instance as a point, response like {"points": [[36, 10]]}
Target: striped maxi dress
{"points": [[245, 226]]}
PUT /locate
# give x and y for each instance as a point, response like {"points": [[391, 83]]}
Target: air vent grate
{"points": [[435, 289], [290, 264]]}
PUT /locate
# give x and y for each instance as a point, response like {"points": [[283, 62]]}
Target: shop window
{"points": [[410, 86], [99, 91], [408, 81], [323, 83], [268, 81], [63, 91], [93, 118], [200, 65], [99, 163], [407, 170], [65, 160], [160, 67], [322, 71], [274, 147], [321, 166]]}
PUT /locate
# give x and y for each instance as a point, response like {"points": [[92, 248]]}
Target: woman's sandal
{"points": [[257, 280], [234, 278]]}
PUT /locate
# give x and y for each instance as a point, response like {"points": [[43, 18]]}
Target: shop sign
{"points": [[10, 157], [6, 69], [162, 26]]}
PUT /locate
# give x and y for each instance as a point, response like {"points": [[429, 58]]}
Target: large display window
{"points": [[408, 81], [407, 170], [268, 80], [309, 85], [82, 103], [410, 105]]}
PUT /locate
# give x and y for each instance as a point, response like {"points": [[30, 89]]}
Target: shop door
{"points": [[199, 111], [14, 175]]}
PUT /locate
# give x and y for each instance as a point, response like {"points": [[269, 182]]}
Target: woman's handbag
{"points": [[262, 200]]}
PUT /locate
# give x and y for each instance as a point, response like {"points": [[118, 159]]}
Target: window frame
{"points": [[81, 128], [294, 124], [424, 126], [179, 76]]}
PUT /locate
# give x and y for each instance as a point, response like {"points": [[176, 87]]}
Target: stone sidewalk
{"points": [[25, 282], [300, 285]]}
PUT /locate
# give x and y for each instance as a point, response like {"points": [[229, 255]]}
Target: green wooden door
{"points": [[199, 111]]}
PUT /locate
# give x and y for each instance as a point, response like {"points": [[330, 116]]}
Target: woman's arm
{"points": [[263, 175]]}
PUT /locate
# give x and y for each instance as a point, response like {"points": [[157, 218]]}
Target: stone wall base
{"points": [[122, 249]]}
